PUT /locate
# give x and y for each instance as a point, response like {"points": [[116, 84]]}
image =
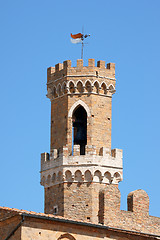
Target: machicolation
{"points": [[64, 79]]}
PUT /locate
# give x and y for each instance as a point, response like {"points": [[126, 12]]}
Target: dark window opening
{"points": [[55, 210], [58, 152], [80, 128]]}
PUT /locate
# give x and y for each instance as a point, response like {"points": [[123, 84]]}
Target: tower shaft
{"points": [[81, 163]]}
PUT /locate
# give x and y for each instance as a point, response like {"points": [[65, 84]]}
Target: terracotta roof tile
{"points": [[19, 212]]}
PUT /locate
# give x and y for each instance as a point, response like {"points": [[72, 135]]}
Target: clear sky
{"points": [[35, 34]]}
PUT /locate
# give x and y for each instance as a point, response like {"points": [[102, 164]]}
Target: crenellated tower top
{"points": [[65, 79], [64, 69]]}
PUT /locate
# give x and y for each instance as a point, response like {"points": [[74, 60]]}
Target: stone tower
{"points": [[81, 163]]}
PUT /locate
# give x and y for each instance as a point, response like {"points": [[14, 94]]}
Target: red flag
{"points": [[75, 36]]}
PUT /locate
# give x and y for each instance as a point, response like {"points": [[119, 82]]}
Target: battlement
{"points": [[63, 70], [137, 215], [105, 168], [90, 150]]}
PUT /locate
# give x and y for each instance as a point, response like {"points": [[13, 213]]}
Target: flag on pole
{"points": [[77, 38]]}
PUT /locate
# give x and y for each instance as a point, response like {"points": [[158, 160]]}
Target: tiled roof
{"points": [[15, 211]]}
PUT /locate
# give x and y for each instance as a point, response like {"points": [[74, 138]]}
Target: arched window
{"points": [[71, 87], [96, 87], [88, 86], [66, 236], [80, 87], [80, 128]]}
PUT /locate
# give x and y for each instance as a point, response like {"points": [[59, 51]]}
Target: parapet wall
{"points": [[136, 218], [61, 70], [60, 167]]}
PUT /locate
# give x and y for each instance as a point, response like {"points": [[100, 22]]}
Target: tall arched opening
{"points": [[79, 119]]}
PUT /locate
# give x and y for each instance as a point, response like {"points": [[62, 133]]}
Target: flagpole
{"points": [[82, 51]]}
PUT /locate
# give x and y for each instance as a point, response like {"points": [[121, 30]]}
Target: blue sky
{"points": [[35, 35]]}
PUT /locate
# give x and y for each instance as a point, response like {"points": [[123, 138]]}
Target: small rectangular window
{"points": [[55, 210]]}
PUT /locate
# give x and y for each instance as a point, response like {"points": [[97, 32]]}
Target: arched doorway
{"points": [[79, 119]]}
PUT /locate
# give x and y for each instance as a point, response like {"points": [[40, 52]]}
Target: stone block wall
{"points": [[138, 201], [100, 204], [78, 201], [59, 118]]}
